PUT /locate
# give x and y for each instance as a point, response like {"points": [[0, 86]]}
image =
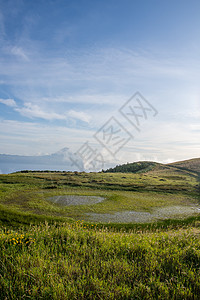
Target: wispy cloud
{"points": [[34, 111], [79, 115], [19, 52], [8, 102], [30, 138], [98, 71], [53, 87]]}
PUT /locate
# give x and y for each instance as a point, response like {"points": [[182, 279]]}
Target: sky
{"points": [[70, 69]]}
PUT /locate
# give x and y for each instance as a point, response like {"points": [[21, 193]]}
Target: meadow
{"points": [[48, 251]]}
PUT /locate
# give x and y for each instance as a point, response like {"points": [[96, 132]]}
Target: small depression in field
{"points": [[75, 200], [144, 217], [121, 217]]}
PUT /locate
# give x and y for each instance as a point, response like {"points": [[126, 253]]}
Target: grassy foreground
{"points": [[80, 261], [46, 254]]}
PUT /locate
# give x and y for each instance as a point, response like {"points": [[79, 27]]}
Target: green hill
{"points": [[189, 165], [136, 167], [186, 166]]}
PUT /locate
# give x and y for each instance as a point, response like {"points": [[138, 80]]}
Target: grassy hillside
{"points": [[136, 167], [190, 165], [49, 251]]}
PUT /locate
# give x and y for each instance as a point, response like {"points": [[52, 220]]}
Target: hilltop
{"points": [[187, 166], [136, 167]]}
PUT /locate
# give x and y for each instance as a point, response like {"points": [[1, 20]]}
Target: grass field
{"points": [[121, 192], [48, 251]]}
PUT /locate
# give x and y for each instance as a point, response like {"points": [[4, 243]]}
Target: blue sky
{"points": [[66, 68]]}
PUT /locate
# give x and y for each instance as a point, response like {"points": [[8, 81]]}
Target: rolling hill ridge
{"points": [[191, 166]]}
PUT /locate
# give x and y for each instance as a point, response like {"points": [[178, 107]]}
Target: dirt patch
{"points": [[144, 217], [75, 200]]}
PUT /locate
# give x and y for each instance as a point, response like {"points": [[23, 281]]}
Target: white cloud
{"points": [[34, 111], [101, 71], [8, 102], [79, 115], [27, 138], [19, 52], [195, 127]]}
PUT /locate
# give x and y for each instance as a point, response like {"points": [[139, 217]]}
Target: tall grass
{"points": [[87, 262]]}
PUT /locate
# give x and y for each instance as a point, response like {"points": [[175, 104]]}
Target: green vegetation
{"points": [[81, 262], [48, 251], [137, 167], [191, 165], [29, 192]]}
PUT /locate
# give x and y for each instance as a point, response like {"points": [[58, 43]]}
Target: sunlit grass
{"points": [[122, 192], [46, 255], [81, 261]]}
